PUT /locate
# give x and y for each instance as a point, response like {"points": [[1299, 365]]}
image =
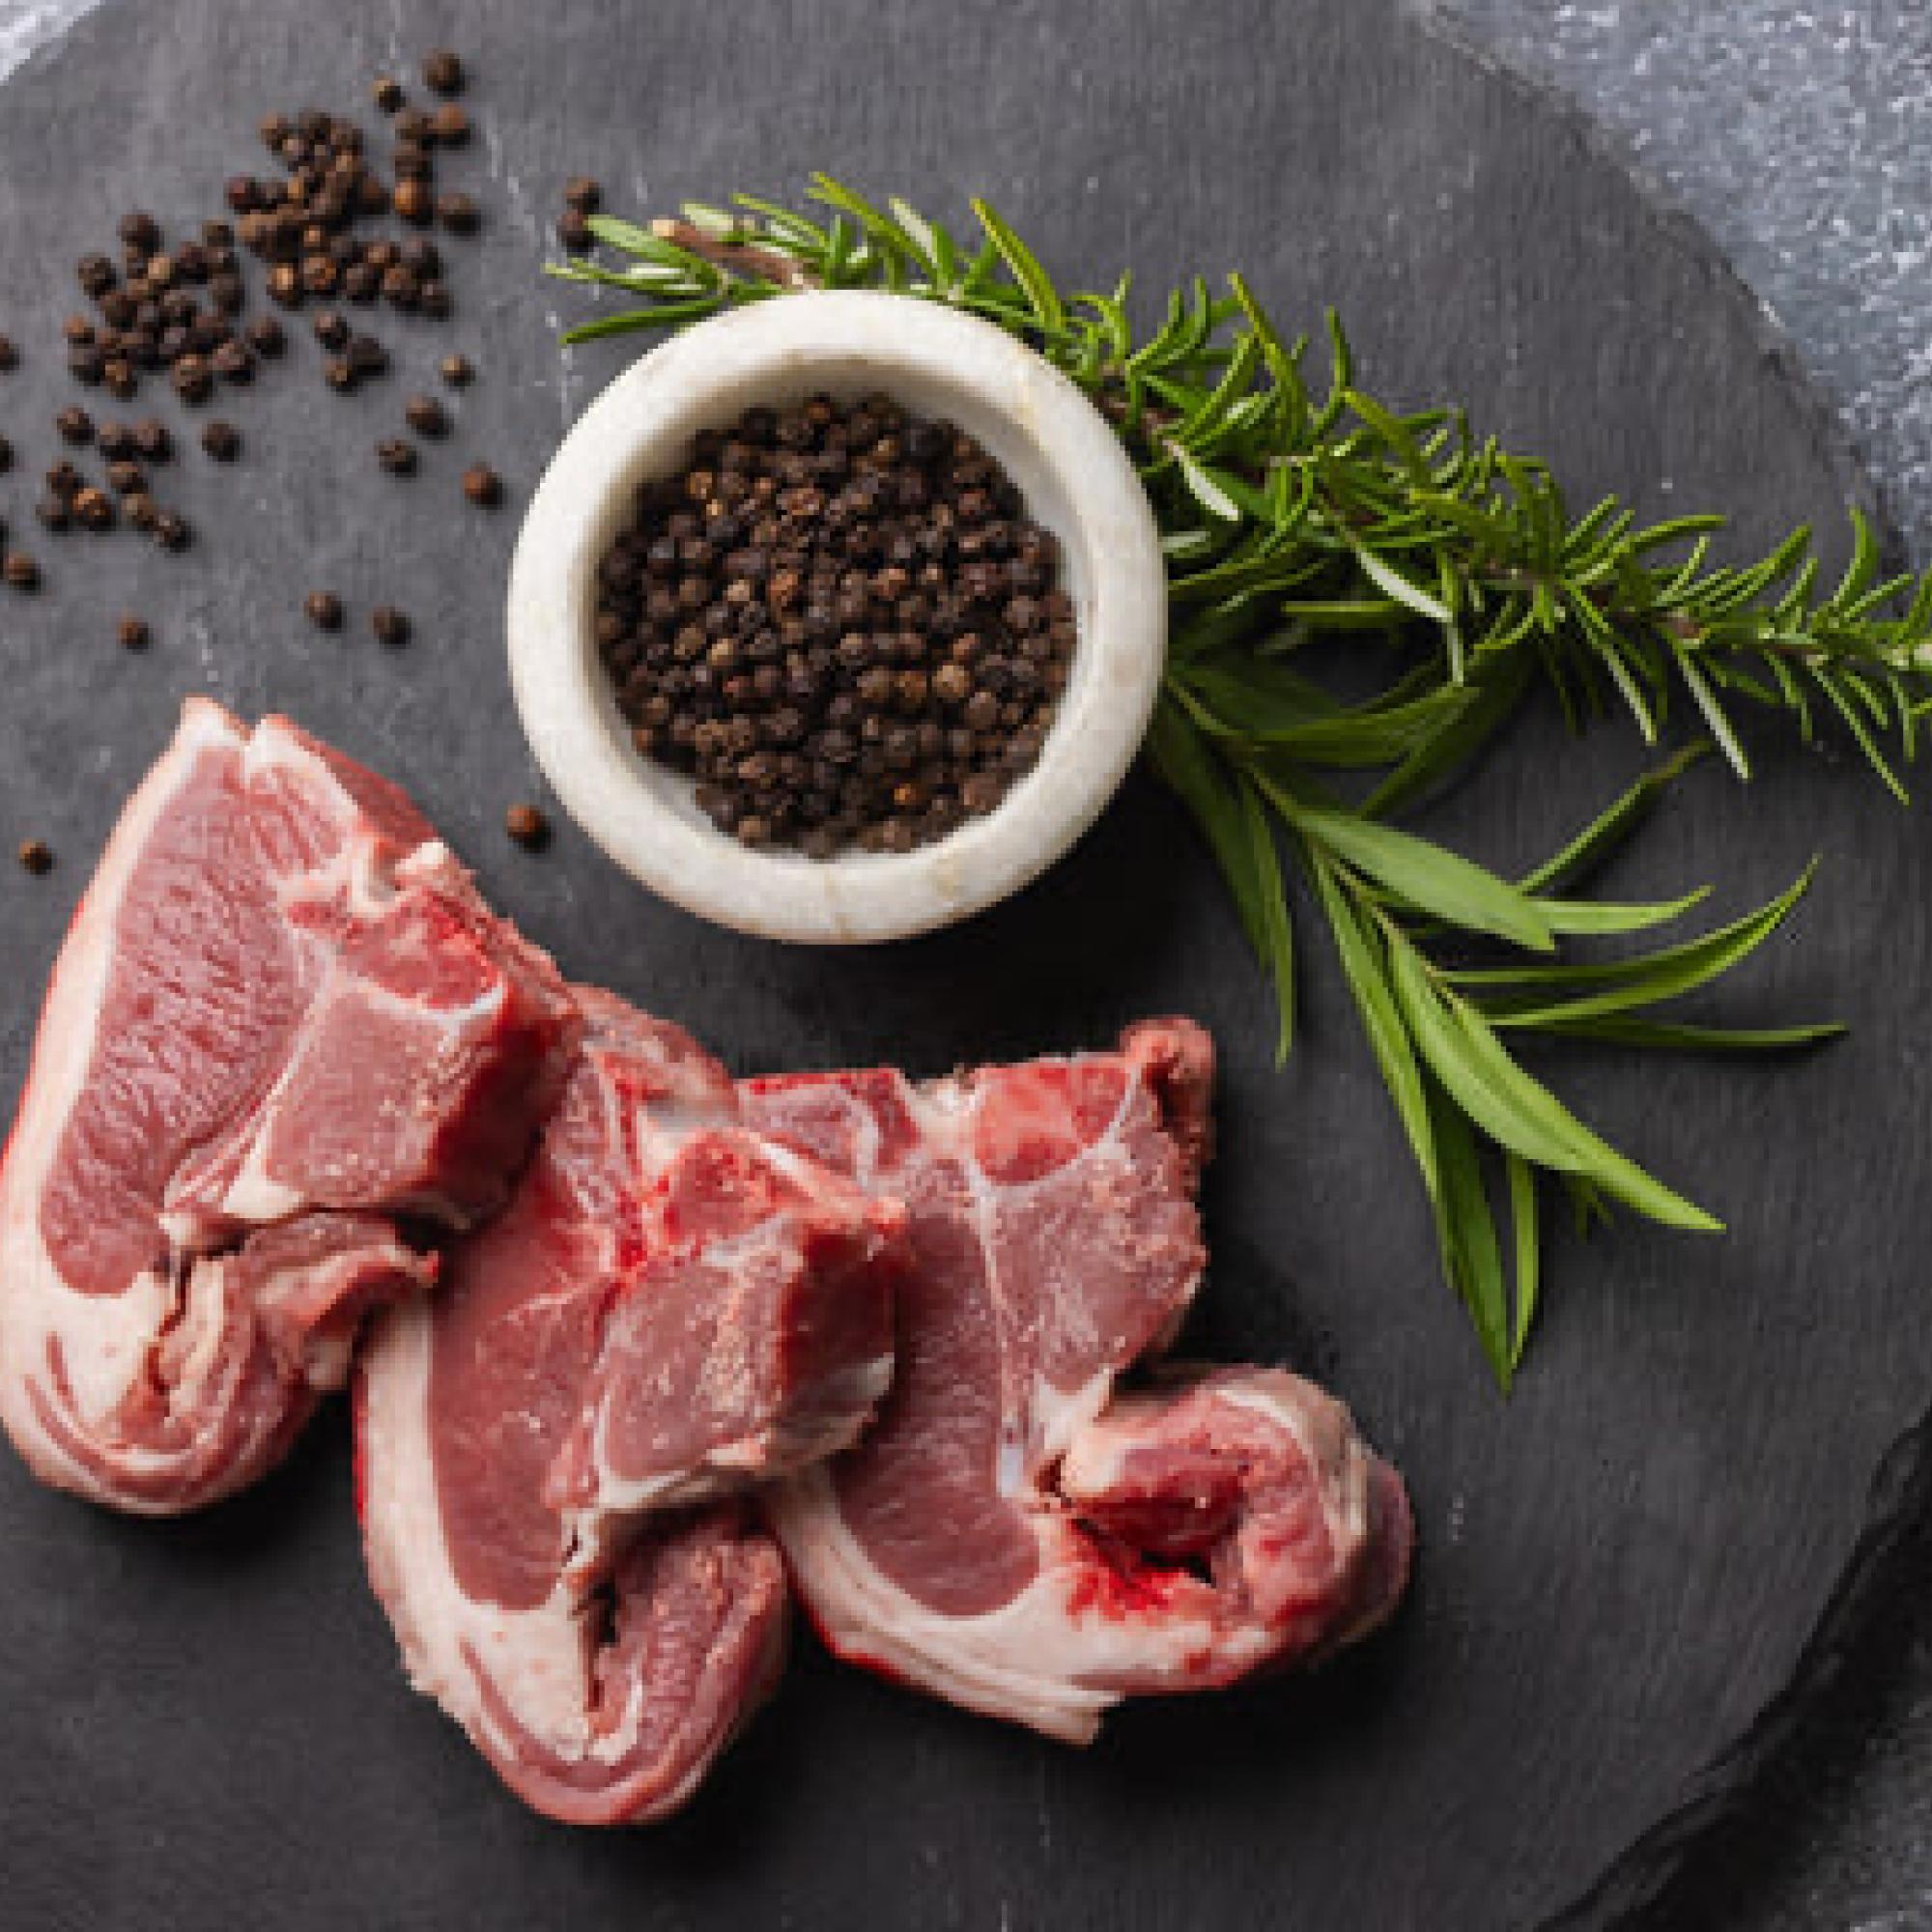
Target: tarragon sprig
{"points": [[1290, 520]]}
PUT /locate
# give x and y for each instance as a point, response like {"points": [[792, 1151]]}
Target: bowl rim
{"points": [[788, 344]]}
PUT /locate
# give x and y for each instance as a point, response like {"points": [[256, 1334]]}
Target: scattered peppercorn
{"points": [[397, 455], [10, 357], [36, 855], [222, 440], [133, 634], [839, 620], [93, 509], [458, 371], [153, 440], [483, 486], [324, 609], [426, 416], [389, 625], [584, 194], [573, 231], [21, 571], [6, 455], [177, 309], [267, 336], [528, 826], [233, 363]]}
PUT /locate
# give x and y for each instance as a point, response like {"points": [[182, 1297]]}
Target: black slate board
{"points": [[1620, 1569]]}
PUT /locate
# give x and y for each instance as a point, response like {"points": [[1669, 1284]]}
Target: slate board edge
{"points": [[1901, 1488], [1829, 435]]}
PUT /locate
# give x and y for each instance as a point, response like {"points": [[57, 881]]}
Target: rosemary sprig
{"points": [[1289, 519]]}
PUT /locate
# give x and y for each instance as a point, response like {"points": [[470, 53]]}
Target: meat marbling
{"points": [[550, 1449], [282, 1027], [286, 1050], [1011, 1534]]}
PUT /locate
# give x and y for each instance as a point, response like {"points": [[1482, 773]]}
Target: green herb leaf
{"points": [[1603, 916], [1466, 1231], [1623, 1031], [1619, 985], [1607, 833], [1381, 1021], [1429, 877], [1527, 1254], [1278, 947]]}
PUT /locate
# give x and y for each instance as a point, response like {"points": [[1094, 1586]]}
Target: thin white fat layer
{"points": [[865, 1137], [103, 1338], [731, 1258], [273, 745], [255, 1198], [838, 1415], [1059, 1415], [106, 1344], [536, 1659], [1035, 1661], [64, 1048], [1325, 1434], [1037, 1423], [434, 863], [359, 877], [371, 886]]}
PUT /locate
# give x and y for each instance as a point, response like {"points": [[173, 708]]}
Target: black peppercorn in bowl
{"points": [[1030, 692]]}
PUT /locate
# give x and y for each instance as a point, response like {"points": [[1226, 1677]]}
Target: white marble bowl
{"points": [[1076, 480]]}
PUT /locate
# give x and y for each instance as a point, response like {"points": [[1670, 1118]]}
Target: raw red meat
{"points": [[669, 1309], [282, 1025], [1011, 1535]]}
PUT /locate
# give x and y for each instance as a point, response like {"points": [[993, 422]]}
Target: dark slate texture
{"points": [[1623, 1570]]}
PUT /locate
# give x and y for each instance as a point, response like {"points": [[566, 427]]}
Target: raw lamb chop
{"points": [[669, 1309], [1011, 1534], [283, 1024]]}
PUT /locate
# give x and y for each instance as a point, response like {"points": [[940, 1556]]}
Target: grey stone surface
{"points": [[1800, 133], [1622, 1567], [28, 25]]}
